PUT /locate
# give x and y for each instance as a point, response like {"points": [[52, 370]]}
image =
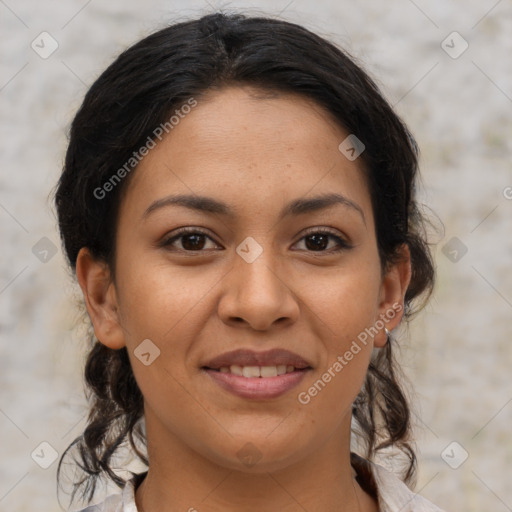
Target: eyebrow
{"points": [[296, 207]]}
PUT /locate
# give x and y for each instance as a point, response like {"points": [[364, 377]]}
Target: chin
{"points": [[257, 455]]}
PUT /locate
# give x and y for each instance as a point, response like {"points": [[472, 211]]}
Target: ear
{"points": [[100, 298], [392, 295]]}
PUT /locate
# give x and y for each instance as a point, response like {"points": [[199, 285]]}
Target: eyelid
{"points": [[322, 229]]}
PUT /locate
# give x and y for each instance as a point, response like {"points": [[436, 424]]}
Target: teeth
{"points": [[281, 369], [268, 371], [251, 371], [258, 371], [237, 370]]}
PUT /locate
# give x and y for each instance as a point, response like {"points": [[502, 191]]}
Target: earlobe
{"points": [[100, 297], [393, 289]]}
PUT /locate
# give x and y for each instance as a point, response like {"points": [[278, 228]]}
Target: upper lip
{"points": [[246, 357]]}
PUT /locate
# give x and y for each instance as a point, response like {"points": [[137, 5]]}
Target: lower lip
{"points": [[257, 387]]}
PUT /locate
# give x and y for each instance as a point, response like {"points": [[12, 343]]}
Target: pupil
{"points": [[194, 245], [319, 241]]}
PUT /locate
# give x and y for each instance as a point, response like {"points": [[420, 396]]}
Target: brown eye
{"points": [[188, 240], [318, 241], [193, 242]]}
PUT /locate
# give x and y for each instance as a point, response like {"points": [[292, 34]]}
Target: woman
{"points": [[238, 204]]}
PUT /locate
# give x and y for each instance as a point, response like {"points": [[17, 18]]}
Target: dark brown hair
{"points": [[136, 94]]}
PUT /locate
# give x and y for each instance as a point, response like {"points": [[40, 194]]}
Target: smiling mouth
{"points": [[257, 382], [257, 371]]}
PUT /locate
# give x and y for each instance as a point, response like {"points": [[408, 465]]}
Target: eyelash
{"points": [[180, 233]]}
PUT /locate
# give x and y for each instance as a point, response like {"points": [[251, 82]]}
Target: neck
{"points": [[179, 479]]}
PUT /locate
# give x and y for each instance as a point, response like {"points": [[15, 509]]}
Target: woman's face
{"points": [[280, 254]]}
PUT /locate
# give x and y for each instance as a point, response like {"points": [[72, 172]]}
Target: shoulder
{"points": [[112, 503], [392, 494], [123, 501]]}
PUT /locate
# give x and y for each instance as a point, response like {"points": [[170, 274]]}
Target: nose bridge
{"points": [[261, 274], [258, 280], [255, 291]]}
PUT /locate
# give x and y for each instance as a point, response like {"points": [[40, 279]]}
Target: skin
{"points": [[256, 153]]}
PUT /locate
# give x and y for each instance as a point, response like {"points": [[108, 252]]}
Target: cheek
{"points": [[154, 299], [347, 307], [344, 363], [166, 306], [347, 300]]}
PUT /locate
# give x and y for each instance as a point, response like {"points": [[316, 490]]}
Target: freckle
{"points": [[288, 165]]}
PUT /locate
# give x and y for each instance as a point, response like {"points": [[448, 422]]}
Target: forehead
{"points": [[257, 146]]}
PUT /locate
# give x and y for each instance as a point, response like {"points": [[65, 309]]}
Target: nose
{"points": [[258, 295]]}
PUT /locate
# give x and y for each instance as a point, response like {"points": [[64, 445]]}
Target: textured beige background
{"points": [[460, 354]]}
